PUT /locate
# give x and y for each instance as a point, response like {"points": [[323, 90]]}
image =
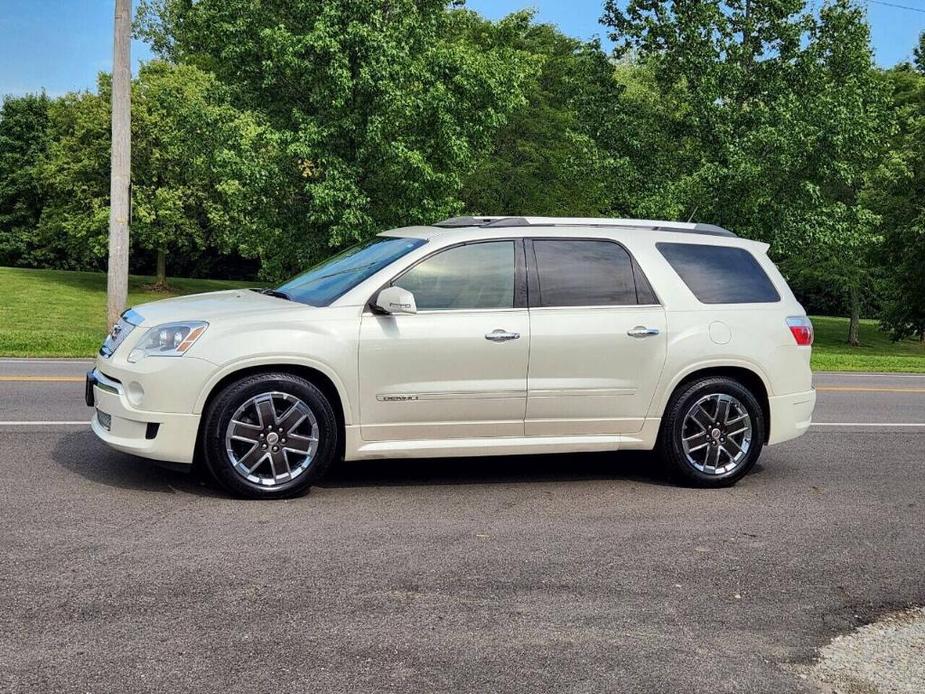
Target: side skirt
{"points": [[358, 449]]}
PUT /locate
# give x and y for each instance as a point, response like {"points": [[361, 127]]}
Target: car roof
{"points": [[623, 230], [466, 228], [595, 222]]}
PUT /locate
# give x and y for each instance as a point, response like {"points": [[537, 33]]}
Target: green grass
{"points": [[53, 313], [831, 351]]}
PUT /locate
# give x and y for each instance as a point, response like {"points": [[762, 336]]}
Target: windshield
{"points": [[336, 276]]}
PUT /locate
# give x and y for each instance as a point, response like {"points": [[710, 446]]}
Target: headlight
{"points": [[168, 340]]}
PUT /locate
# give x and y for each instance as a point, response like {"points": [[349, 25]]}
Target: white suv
{"points": [[475, 336]]}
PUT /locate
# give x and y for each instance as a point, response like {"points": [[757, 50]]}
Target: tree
{"points": [[23, 143], [918, 53], [201, 168], [380, 110], [779, 116], [897, 193], [545, 160]]}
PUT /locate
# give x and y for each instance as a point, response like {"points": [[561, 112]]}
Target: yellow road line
{"points": [[855, 389], [42, 379]]}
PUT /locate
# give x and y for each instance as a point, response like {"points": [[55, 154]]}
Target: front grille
{"points": [[104, 419], [119, 332]]}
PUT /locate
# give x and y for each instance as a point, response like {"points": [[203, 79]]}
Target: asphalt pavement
{"points": [[572, 573]]}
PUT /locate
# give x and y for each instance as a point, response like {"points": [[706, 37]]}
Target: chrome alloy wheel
{"points": [[272, 439], [716, 434]]}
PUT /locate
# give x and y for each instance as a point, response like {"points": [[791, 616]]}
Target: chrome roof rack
{"points": [[654, 225]]}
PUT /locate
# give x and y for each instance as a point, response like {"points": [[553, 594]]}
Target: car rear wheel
{"points": [[712, 432], [269, 435]]}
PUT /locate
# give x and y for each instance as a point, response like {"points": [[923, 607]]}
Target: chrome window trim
{"points": [[597, 307], [440, 311]]}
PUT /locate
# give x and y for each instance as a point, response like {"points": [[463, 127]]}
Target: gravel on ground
{"points": [[885, 657]]}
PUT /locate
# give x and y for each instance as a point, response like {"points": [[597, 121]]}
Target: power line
{"points": [[893, 4]]}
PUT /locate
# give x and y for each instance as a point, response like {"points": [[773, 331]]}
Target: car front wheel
{"points": [[712, 433], [269, 435]]}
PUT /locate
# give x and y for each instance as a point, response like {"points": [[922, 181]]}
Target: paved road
{"points": [[581, 573]]}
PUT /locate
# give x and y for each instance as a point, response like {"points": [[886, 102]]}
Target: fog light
{"points": [[136, 393], [104, 419]]}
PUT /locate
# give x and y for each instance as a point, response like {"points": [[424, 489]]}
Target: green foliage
{"points": [[282, 130], [545, 160], [23, 143], [198, 167], [918, 53], [75, 177], [379, 107], [776, 115], [897, 193]]}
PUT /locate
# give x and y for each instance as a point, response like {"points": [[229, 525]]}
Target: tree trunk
{"points": [[854, 322], [160, 280]]}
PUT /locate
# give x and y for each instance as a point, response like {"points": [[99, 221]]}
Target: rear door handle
{"points": [[502, 336], [642, 331]]}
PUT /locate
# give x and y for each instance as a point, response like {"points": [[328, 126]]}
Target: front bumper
{"points": [[165, 436], [791, 415]]}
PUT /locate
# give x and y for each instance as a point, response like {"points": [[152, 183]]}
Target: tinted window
{"points": [[719, 274], [583, 273], [336, 276], [479, 275], [644, 293]]}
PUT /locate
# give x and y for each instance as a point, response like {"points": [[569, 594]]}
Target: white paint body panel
{"points": [[587, 375], [433, 375], [429, 384]]}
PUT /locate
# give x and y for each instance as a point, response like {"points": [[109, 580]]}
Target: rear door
{"points": [[597, 339]]}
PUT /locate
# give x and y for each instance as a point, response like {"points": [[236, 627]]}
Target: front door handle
{"points": [[502, 336], [642, 331]]}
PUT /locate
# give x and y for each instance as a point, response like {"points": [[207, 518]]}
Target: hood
{"points": [[213, 306]]}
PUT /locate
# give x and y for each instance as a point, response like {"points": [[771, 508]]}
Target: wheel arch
{"points": [[323, 381], [749, 377]]}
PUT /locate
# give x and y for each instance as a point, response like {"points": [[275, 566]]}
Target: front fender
{"points": [[324, 340]]}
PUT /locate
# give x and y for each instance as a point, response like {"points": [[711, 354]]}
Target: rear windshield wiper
{"points": [[273, 292]]}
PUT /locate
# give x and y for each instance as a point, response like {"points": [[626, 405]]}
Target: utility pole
{"points": [[121, 173]]}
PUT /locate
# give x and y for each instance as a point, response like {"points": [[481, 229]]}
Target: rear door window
{"points": [[720, 274], [581, 272]]}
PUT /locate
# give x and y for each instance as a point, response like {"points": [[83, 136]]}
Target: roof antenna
{"points": [[691, 218]]}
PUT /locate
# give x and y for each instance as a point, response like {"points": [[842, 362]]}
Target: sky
{"points": [[61, 45]]}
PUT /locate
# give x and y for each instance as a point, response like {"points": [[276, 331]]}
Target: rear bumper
{"points": [[791, 415], [168, 437]]}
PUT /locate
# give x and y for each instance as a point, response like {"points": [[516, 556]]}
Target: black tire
{"points": [[676, 425], [274, 388]]}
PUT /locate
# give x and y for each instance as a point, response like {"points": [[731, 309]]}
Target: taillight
{"points": [[801, 329]]}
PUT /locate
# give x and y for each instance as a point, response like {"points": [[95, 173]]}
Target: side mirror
{"points": [[395, 300]]}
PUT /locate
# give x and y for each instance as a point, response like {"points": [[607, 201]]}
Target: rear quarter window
{"points": [[720, 274]]}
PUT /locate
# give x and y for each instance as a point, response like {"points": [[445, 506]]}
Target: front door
{"points": [[458, 367], [597, 339]]}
